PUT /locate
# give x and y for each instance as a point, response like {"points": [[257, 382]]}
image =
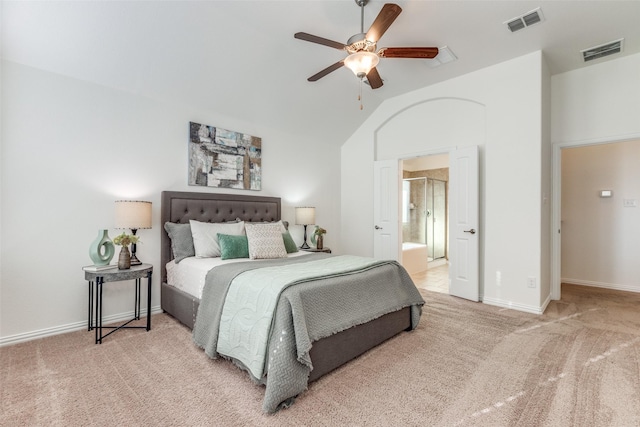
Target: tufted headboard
{"points": [[181, 206]]}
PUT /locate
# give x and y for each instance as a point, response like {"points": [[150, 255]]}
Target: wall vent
{"points": [[523, 21], [602, 50]]}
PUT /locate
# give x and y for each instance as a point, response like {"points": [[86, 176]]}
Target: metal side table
{"points": [[99, 278]]}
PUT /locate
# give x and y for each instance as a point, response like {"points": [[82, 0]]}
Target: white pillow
{"points": [[265, 241], [205, 236]]}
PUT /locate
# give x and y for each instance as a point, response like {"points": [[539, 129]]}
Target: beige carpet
{"points": [[467, 364]]}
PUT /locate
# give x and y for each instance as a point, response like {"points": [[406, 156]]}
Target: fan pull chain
{"points": [[360, 95]]}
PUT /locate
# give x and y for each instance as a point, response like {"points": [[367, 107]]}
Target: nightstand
{"points": [[99, 278], [325, 250]]}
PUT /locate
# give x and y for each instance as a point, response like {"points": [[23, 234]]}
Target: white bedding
{"points": [[189, 274]]}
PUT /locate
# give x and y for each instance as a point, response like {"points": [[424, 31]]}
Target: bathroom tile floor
{"points": [[436, 278]]}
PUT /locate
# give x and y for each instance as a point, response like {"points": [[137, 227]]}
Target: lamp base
{"points": [[305, 245], [134, 258]]}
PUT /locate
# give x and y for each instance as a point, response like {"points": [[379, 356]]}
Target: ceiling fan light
{"points": [[361, 63]]}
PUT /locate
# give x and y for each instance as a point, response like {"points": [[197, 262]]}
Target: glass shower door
{"points": [[436, 219]]}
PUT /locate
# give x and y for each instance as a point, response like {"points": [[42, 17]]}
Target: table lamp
{"points": [[134, 215], [305, 216]]}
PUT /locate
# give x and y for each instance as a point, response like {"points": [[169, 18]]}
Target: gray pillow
{"points": [[181, 240]]}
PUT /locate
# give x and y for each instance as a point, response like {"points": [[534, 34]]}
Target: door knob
{"points": [[472, 231], [378, 227]]}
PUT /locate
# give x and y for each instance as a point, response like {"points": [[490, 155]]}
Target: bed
{"points": [[326, 353]]}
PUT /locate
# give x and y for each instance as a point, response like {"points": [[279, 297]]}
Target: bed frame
{"points": [[326, 354]]}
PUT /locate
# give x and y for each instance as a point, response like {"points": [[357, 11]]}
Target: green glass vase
{"points": [[102, 250]]}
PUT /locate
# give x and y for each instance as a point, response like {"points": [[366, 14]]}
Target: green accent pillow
{"points": [[233, 246], [289, 244]]}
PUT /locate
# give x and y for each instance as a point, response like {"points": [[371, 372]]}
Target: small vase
{"points": [[102, 250], [319, 242], [124, 259]]}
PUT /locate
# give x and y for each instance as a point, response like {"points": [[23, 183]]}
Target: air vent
{"points": [[445, 55], [523, 21], [602, 50]]}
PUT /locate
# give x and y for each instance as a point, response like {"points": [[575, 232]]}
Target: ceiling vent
{"points": [[445, 55], [602, 50], [526, 20]]}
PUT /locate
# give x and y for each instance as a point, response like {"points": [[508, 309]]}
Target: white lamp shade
{"points": [[305, 216], [133, 214], [361, 62]]}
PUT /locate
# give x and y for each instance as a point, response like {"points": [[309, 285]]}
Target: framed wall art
{"points": [[223, 158]]}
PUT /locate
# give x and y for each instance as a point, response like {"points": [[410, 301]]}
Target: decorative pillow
{"points": [[181, 240], [265, 241], [233, 246], [289, 244], [205, 236], [285, 224]]}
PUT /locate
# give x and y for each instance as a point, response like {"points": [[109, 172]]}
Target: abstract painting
{"points": [[223, 158]]}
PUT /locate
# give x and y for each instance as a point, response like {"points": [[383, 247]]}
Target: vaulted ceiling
{"points": [[240, 59]]}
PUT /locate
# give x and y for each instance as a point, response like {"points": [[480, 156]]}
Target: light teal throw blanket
{"points": [[245, 323], [311, 310]]}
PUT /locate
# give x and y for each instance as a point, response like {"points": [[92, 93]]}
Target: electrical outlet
{"points": [[531, 282], [630, 203], [498, 278]]}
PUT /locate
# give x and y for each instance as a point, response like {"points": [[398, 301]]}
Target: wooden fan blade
{"points": [[383, 21], [374, 79], [408, 52], [315, 39], [329, 69]]}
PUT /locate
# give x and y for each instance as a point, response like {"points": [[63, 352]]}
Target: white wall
{"points": [[511, 166], [594, 105], [70, 148], [1, 174], [546, 197], [600, 244], [597, 103]]}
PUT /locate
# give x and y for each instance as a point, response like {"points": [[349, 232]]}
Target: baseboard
{"points": [[71, 327], [546, 303], [514, 306], [543, 307], [605, 285]]}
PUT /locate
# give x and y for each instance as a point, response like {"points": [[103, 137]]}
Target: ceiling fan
{"points": [[362, 59]]}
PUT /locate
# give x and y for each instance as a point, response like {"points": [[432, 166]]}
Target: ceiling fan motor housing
{"points": [[359, 43]]}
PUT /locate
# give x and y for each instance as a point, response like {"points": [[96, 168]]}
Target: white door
{"points": [[386, 202], [464, 223]]}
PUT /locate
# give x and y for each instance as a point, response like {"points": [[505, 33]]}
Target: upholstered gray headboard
{"points": [[182, 206]]}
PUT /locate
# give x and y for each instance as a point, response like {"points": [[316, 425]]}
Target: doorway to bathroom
{"points": [[425, 222]]}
